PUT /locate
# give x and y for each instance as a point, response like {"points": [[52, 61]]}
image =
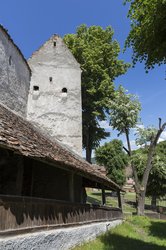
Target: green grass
{"points": [[138, 233], [94, 197]]}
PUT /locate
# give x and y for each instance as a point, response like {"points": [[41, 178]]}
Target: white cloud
{"points": [[105, 125], [140, 126], [163, 136], [134, 130], [160, 139], [133, 145]]}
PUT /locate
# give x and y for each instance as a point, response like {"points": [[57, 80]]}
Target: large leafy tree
{"points": [[156, 186], [97, 53], [112, 156], [147, 35], [124, 116]]}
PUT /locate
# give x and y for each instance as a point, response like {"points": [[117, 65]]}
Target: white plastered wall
{"points": [[58, 114]]}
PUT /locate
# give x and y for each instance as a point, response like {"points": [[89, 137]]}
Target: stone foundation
{"points": [[64, 238]]}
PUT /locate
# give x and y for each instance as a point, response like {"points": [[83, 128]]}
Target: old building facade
{"points": [[43, 183], [46, 90], [14, 75], [54, 102]]}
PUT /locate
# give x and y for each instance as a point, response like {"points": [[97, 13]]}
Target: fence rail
{"points": [[27, 212]]}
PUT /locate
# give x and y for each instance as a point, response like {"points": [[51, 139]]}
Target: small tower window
{"points": [[64, 90], [50, 79], [10, 60], [35, 88], [54, 44]]}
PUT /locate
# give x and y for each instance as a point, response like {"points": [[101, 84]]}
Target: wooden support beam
{"points": [[103, 197], [20, 172], [32, 180], [119, 199], [71, 187]]}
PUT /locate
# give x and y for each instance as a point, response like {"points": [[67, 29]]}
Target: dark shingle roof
{"points": [[21, 136]]}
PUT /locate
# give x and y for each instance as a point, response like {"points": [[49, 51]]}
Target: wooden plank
{"points": [[23, 212], [71, 187], [20, 171], [103, 197], [119, 199]]}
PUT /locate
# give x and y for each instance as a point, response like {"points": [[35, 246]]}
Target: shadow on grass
{"points": [[158, 229], [108, 194], [93, 200], [117, 242]]}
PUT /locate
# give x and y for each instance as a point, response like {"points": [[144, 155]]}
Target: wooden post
{"points": [[71, 187], [19, 178], [103, 197], [119, 199], [32, 180]]}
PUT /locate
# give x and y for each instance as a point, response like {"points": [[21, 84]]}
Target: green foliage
{"points": [[157, 178], [112, 156], [147, 35], [97, 53], [124, 111], [124, 116], [145, 135]]}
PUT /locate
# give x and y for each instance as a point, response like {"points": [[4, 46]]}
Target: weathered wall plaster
{"points": [[57, 113], [64, 238], [14, 76]]}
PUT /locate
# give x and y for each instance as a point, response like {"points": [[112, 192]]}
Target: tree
{"points": [[156, 186], [147, 35], [97, 53], [124, 116], [112, 156], [124, 111]]}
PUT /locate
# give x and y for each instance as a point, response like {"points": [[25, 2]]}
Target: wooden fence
{"points": [[20, 213]]}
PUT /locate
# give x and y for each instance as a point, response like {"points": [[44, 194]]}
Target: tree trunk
{"points": [[88, 147], [140, 203], [154, 202], [128, 142], [88, 154]]}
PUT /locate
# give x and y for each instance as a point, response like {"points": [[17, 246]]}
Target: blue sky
{"points": [[32, 22]]}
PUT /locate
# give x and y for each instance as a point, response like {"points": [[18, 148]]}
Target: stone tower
{"points": [[54, 102]]}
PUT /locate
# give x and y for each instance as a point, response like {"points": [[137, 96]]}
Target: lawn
{"points": [[94, 197], [138, 233]]}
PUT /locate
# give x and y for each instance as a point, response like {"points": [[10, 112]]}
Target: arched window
{"points": [[64, 90], [35, 88]]}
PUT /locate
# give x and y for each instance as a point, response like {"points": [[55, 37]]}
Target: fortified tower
{"points": [[54, 102]]}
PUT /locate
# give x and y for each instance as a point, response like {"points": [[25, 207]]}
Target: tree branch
{"points": [[159, 123], [162, 127], [127, 151], [128, 142], [133, 167], [151, 152]]}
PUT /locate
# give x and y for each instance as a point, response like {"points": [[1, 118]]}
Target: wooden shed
{"points": [[42, 183]]}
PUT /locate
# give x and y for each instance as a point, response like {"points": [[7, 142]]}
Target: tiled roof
{"points": [[21, 136], [17, 48]]}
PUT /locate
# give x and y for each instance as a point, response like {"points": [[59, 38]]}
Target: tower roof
{"points": [[56, 49]]}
